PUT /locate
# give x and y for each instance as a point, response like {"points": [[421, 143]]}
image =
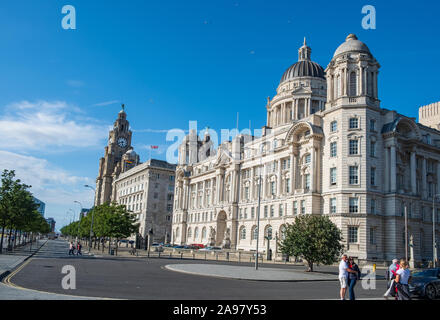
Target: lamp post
{"points": [[91, 224], [434, 245], [72, 217], [79, 218]]}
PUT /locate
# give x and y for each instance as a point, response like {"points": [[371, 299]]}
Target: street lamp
{"points": [[91, 224], [434, 245], [79, 217]]}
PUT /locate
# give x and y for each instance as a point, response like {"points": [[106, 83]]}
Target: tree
{"points": [[314, 238]]}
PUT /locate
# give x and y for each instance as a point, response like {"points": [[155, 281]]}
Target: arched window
{"points": [[243, 233], [254, 233], [196, 233], [353, 84], [189, 233], [283, 232], [204, 233]]}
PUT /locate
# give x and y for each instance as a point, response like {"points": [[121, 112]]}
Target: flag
{"points": [[154, 147], [128, 161]]}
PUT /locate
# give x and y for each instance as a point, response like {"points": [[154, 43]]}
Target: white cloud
{"points": [[50, 184], [106, 103], [44, 125]]}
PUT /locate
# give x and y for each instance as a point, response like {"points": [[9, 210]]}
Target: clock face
{"points": [[122, 142]]}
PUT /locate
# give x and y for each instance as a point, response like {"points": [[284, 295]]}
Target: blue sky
{"points": [[175, 61]]}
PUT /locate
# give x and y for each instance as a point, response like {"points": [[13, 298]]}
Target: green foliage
{"points": [[109, 220], [18, 211], [314, 238]]}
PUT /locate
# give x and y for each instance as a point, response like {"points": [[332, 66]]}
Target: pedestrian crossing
{"points": [[54, 249]]}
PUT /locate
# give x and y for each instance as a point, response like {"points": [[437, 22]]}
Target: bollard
{"points": [[239, 257], [181, 255], [170, 255], [159, 254], [374, 267], [216, 256], [194, 256]]}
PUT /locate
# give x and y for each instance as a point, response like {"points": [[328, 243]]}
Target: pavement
{"points": [[249, 273]]}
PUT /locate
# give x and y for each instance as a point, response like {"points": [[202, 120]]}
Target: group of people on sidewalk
{"points": [[76, 247], [400, 275]]}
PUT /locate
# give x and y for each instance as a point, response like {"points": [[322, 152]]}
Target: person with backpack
{"points": [[392, 273], [402, 279], [71, 248], [353, 276]]}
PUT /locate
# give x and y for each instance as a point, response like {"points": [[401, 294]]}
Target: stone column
{"points": [[283, 112], [438, 177], [387, 170], [292, 172], [312, 171], [393, 168], [413, 165], [251, 191], [263, 178], [361, 81], [424, 189], [280, 190], [295, 103], [186, 194]]}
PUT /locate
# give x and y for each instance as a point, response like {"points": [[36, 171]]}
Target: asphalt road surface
{"points": [[142, 278]]}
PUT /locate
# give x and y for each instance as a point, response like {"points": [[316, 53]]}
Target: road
{"points": [[142, 278]]}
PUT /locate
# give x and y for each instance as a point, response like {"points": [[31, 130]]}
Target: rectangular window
{"points": [[354, 205], [372, 236], [372, 125], [333, 149], [308, 158], [373, 206], [352, 234], [303, 206], [252, 212], [333, 176], [353, 148], [265, 211], [373, 176], [333, 126], [354, 123], [332, 205], [272, 188], [287, 185], [353, 178], [272, 211], [372, 149], [295, 207], [281, 210], [245, 213], [307, 181]]}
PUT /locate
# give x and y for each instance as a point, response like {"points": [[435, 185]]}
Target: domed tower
{"points": [[352, 75], [301, 92]]}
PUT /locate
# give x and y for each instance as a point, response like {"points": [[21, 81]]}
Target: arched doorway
{"points": [[221, 227]]}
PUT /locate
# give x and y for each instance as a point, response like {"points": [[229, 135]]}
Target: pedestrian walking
{"points": [[78, 249], [71, 248], [352, 277], [392, 273], [402, 279]]}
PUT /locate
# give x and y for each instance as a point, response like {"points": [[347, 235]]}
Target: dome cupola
{"points": [[304, 67]]}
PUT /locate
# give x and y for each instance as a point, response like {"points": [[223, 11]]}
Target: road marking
{"points": [[7, 281]]}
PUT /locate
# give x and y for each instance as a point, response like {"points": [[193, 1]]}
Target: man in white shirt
{"points": [[343, 275]]}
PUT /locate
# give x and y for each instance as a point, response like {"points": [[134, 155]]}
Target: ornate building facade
{"points": [[328, 148]]}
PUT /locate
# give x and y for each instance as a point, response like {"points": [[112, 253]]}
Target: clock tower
{"points": [[119, 142]]}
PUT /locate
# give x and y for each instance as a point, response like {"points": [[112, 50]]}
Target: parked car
{"points": [[425, 283], [178, 247], [155, 244], [168, 245], [211, 248], [198, 245]]}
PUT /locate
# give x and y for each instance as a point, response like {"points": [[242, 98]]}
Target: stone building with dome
{"points": [[328, 148], [146, 189]]}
